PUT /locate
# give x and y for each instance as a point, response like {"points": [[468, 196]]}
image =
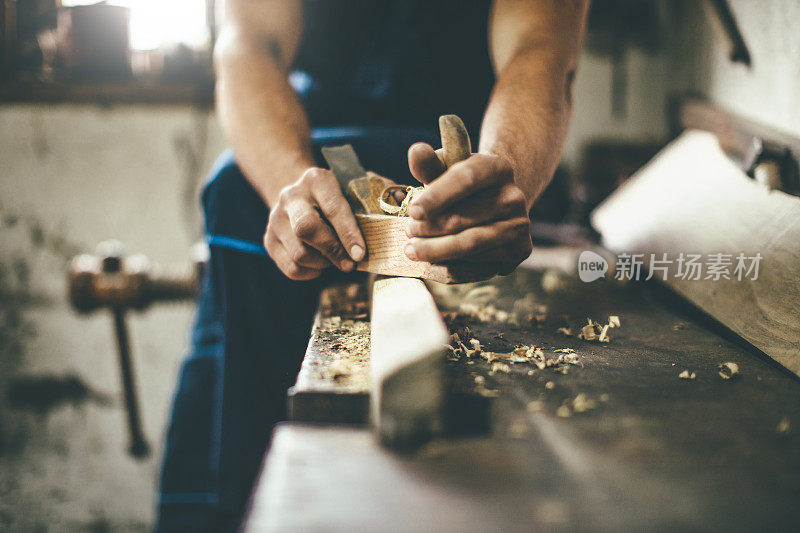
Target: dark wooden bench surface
{"points": [[647, 450]]}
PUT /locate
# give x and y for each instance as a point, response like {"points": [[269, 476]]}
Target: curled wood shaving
{"points": [[402, 209], [687, 375], [728, 370], [594, 331]]}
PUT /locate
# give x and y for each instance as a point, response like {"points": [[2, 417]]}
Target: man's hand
{"points": [[473, 211], [310, 227]]}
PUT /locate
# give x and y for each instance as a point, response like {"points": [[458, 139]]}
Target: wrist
{"points": [[271, 184]]}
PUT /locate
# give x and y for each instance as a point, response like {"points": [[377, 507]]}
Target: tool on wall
{"points": [[719, 11], [108, 280], [769, 156]]}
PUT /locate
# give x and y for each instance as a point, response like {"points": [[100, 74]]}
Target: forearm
{"points": [[527, 118], [262, 118], [535, 49]]}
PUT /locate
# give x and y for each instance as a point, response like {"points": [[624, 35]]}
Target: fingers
{"points": [[478, 172], [472, 241], [424, 164], [494, 204], [304, 255], [288, 266], [309, 227], [328, 196]]}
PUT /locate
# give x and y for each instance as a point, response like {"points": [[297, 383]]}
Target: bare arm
{"points": [[478, 209], [535, 47], [310, 225], [260, 113]]}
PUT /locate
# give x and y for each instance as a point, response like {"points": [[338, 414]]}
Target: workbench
{"points": [[646, 450]]}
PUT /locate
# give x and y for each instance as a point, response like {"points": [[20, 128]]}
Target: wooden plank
{"points": [[408, 336], [407, 365], [333, 383], [693, 199], [386, 240]]}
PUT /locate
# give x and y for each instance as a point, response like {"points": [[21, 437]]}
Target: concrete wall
{"points": [[73, 176], [768, 91]]}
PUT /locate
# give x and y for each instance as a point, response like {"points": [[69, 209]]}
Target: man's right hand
{"points": [[312, 227]]}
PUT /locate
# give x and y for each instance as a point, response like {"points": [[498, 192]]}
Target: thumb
{"points": [[424, 163]]}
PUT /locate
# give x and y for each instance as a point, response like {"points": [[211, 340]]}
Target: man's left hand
{"points": [[473, 211]]}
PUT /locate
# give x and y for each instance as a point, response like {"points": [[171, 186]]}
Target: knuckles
{"points": [[305, 227], [314, 175], [292, 270], [513, 197]]}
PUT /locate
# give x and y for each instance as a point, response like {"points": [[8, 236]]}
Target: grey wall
{"points": [[769, 90], [71, 177]]}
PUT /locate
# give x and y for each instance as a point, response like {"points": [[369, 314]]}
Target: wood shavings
{"points": [[564, 411], [348, 358], [480, 380], [687, 375], [500, 367], [784, 426], [604, 334], [402, 209], [728, 370], [583, 403], [679, 325], [528, 311], [482, 294], [567, 332], [593, 331], [549, 385], [589, 331], [476, 305]]}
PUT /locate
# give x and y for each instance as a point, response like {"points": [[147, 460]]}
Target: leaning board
{"points": [[691, 198]]}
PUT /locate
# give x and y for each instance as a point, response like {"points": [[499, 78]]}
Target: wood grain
{"points": [[386, 240], [693, 199], [408, 341], [333, 383]]}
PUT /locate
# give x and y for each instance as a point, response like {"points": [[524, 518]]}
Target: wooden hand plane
{"points": [[384, 234]]}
